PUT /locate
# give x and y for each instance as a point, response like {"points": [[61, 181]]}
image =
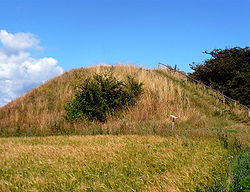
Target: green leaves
{"points": [[102, 95]]}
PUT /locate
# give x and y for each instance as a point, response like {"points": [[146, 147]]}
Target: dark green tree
{"points": [[227, 70]]}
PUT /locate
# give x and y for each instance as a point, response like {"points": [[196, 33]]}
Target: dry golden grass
{"points": [[109, 163]]}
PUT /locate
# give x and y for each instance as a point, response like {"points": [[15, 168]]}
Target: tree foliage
{"points": [[102, 95], [227, 70]]}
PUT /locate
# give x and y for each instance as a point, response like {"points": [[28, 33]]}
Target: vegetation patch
{"points": [[241, 173], [102, 95]]}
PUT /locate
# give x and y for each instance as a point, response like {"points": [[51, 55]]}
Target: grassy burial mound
{"points": [[42, 110], [138, 151]]}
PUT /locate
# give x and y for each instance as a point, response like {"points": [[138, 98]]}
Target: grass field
{"points": [[110, 163]]}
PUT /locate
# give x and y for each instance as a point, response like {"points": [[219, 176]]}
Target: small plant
{"points": [[102, 95]]}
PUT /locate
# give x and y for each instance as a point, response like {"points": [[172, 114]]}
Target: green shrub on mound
{"points": [[102, 95]]}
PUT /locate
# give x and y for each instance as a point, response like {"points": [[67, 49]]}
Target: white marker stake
{"points": [[173, 120]]}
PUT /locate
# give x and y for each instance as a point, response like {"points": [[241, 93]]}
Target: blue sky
{"points": [[80, 33]]}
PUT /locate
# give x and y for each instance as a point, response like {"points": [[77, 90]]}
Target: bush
{"points": [[102, 95]]}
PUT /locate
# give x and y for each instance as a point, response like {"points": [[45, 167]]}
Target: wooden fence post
{"points": [[223, 100]]}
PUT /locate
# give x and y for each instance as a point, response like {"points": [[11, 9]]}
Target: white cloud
{"points": [[19, 71], [18, 42]]}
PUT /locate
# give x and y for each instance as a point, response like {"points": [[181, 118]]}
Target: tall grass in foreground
{"points": [[110, 163]]}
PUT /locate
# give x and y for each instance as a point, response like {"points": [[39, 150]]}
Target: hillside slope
{"points": [[40, 111]]}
